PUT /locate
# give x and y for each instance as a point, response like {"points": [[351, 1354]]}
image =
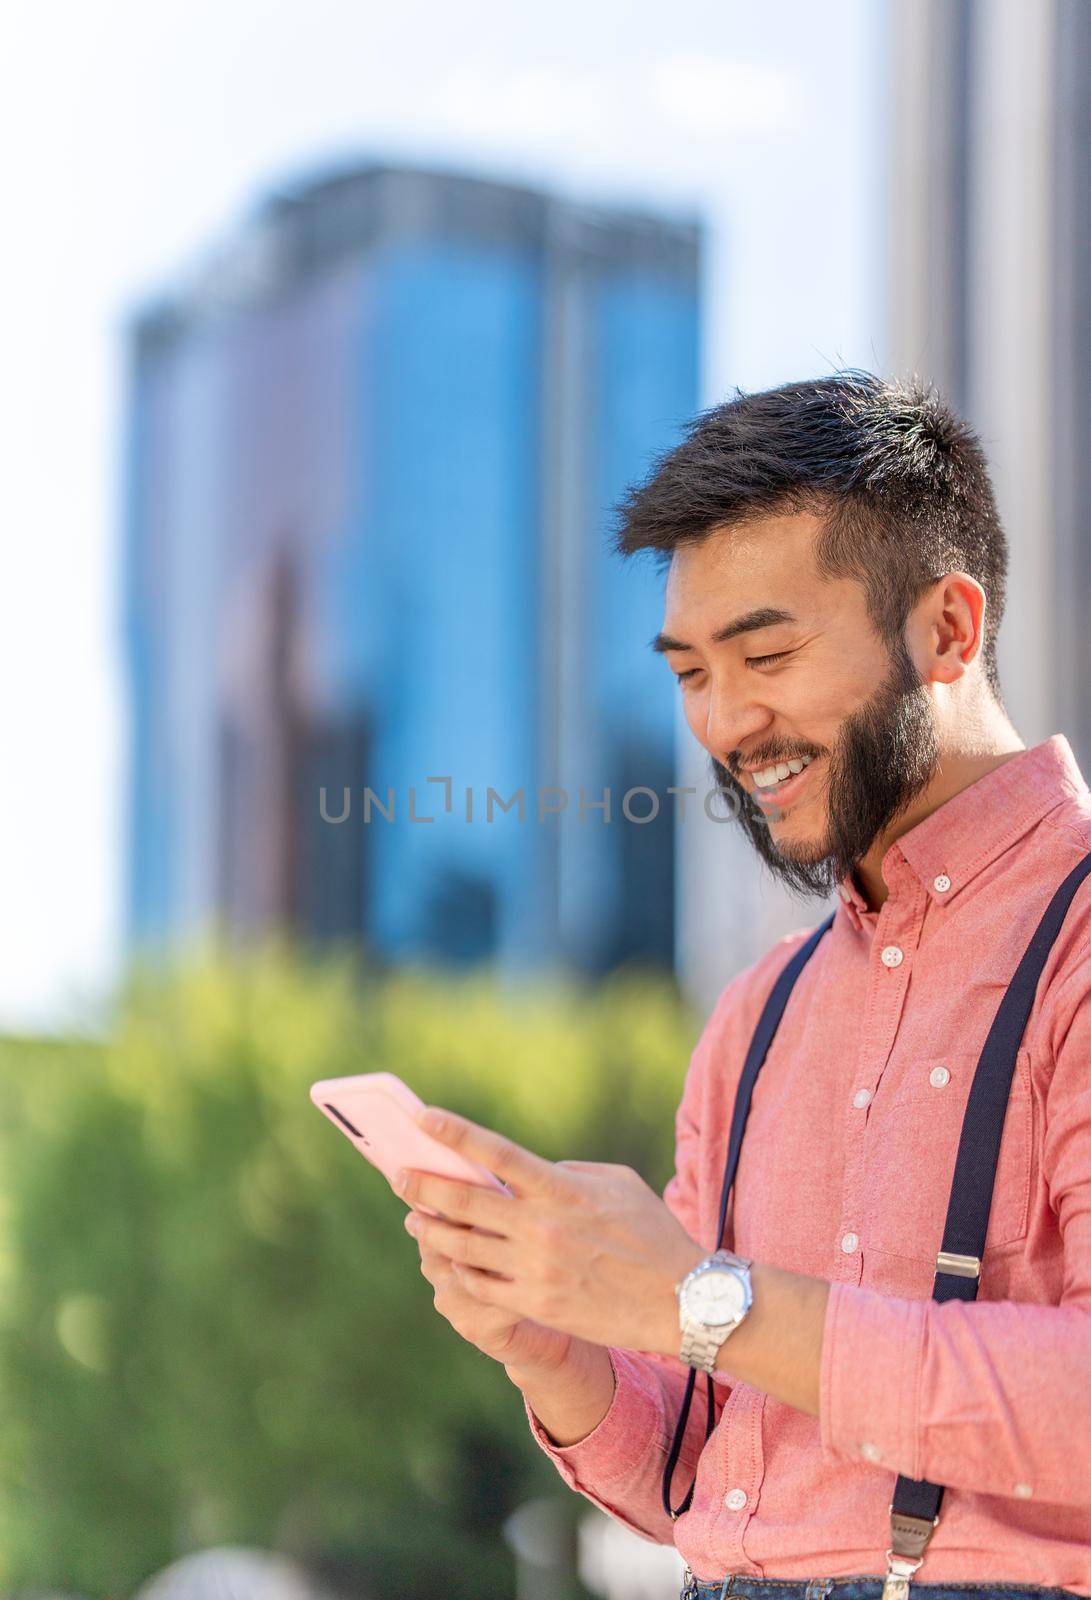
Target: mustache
{"points": [[769, 756]]}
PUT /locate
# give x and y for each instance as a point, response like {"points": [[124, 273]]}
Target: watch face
{"points": [[716, 1296]]}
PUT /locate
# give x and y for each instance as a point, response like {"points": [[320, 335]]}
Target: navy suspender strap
{"points": [[914, 1509], [755, 1056]]}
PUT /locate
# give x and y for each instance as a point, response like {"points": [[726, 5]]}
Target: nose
{"points": [[731, 718]]}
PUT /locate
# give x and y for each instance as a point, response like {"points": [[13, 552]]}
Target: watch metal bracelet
{"points": [[701, 1346]]}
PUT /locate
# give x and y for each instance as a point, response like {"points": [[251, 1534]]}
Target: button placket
{"points": [[896, 936], [846, 1264], [739, 1467], [898, 924]]}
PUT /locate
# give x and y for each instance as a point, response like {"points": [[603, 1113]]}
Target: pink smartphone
{"points": [[375, 1110]]}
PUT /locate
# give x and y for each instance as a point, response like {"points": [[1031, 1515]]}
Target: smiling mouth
{"points": [[771, 789]]}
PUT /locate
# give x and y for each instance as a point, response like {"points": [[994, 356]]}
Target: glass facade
{"points": [[370, 594]]}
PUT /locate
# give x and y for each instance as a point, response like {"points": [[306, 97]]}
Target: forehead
{"points": [[767, 562]]}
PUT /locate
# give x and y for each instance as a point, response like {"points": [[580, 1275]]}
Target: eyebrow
{"points": [[749, 622]]}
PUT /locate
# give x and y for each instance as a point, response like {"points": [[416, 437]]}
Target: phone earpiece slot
{"points": [[335, 1113]]}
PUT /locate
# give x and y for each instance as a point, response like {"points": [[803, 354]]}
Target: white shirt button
{"points": [[861, 1098], [938, 1077], [870, 1452], [1024, 1491], [941, 884], [849, 1241], [891, 956], [735, 1499]]}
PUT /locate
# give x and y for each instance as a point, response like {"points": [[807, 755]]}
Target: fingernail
{"points": [[398, 1180], [431, 1120], [412, 1223]]}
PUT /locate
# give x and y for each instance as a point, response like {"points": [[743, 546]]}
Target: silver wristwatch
{"points": [[712, 1300]]}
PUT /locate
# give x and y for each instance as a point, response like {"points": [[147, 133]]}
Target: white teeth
{"points": [[769, 776]]}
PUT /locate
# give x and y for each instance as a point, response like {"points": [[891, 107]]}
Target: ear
{"points": [[946, 628]]}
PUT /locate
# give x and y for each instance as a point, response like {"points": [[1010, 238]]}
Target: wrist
{"points": [[669, 1324], [569, 1401], [556, 1369]]}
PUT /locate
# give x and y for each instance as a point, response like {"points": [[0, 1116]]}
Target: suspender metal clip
{"points": [[899, 1570], [958, 1266]]}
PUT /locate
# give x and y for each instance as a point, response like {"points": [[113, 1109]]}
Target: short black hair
{"points": [[898, 476]]}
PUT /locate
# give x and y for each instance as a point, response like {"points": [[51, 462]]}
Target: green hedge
{"points": [[212, 1325]]}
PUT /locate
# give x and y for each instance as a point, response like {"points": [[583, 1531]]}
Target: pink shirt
{"points": [[845, 1174]]}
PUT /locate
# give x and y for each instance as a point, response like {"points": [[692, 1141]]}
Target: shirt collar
{"points": [[962, 837]]}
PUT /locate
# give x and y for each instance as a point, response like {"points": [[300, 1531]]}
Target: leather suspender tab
{"points": [[909, 1535]]}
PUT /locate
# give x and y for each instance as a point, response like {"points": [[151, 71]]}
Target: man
{"points": [[835, 584]]}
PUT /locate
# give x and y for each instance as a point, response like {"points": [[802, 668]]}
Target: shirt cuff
{"points": [[870, 1377], [633, 1418]]}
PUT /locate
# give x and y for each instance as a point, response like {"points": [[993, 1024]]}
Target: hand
{"points": [[519, 1344], [584, 1248]]}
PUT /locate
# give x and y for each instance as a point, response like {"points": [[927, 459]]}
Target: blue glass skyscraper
{"points": [[373, 455]]}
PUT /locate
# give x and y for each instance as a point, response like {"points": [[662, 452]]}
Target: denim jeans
{"points": [[740, 1588]]}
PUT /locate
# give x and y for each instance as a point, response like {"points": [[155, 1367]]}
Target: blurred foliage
{"points": [[213, 1328]]}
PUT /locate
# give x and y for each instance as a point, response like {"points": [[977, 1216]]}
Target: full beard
{"points": [[886, 754]]}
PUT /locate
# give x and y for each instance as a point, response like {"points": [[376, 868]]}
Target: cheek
{"points": [[819, 703], [849, 677], [695, 709]]}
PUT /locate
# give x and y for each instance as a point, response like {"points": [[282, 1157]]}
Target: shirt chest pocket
{"points": [[911, 1144]]}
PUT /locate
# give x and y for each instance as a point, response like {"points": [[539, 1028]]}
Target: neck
{"points": [[957, 768]]}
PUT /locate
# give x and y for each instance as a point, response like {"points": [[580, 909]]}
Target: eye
{"points": [[765, 661], [683, 677]]}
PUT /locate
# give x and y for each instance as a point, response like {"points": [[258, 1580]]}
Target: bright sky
{"points": [[133, 134]]}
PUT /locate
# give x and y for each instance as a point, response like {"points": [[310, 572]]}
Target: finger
{"points": [[524, 1171], [442, 1273], [461, 1202], [449, 1272], [436, 1268], [463, 1246], [492, 1290]]}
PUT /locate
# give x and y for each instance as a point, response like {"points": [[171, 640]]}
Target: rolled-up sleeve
{"points": [[988, 1396], [619, 1465]]}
